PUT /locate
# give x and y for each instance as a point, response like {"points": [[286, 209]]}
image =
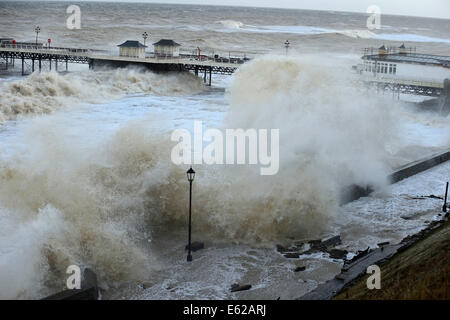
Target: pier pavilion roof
{"points": [[132, 44], [415, 58], [166, 42]]}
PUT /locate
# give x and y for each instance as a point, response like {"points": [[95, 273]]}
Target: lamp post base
{"points": [[189, 258]]}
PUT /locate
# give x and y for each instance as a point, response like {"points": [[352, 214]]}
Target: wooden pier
{"points": [[205, 66]]}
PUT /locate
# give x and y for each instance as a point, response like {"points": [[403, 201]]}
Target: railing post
{"points": [[210, 75]]}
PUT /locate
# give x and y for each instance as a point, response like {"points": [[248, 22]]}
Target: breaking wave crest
{"points": [[359, 34], [48, 91], [231, 24]]}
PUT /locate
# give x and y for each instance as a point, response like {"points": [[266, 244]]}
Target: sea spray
{"points": [[332, 135], [95, 195], [322, 115], [109, 196], [46, 92]]}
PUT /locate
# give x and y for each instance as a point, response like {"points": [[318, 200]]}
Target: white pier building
{"points": [[405, 70]]}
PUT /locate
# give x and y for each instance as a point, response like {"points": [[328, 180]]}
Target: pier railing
{"points": [[233, 59], [217, 58], [42, 48], [389, 50], [206, 64]]}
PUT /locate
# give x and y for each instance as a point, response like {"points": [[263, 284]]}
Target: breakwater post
{"points": [[445, 97], [444, 208]]}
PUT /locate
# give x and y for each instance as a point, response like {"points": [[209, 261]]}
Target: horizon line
{"points": [[225, 5]]}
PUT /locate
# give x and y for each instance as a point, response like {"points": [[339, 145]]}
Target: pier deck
{"points": [[205, 64], [406, 86]]}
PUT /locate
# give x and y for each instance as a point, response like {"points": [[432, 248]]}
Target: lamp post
{"points": [[145, 36], [37, 30], [286, 45], [190, 176]]}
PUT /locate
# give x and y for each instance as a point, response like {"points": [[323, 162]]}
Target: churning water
{"points": [[86, 176]]}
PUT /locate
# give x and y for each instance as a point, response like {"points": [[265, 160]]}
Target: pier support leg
{"points": [[204, 77], [23, 65], [40, 64], [50, 60], [210, 76], [67, 65], [56, 64], [32, 65], [196, 70], [13, 60], [6, 65]]}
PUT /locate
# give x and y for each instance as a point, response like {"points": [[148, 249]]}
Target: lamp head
{"points": [[190, 174]]}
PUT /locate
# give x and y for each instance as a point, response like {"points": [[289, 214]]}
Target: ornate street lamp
{"points": [[190, 176], [145, 36], [37, 30], [286, 45]]}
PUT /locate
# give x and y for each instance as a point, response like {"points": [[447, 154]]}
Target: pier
{"points": [[404, 71], [35, 58]]}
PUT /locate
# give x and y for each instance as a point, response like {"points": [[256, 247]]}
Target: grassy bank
{"points": [[420, 272]]}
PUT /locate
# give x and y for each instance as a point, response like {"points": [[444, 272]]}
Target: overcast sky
{"points": [[424, 8]]}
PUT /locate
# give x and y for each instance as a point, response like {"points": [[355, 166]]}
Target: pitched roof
{"points": [[415, 58], [132, 44], [166, 42]]}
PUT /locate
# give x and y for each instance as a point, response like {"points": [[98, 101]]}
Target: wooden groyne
{"points": [[355, 192], [418, 166]]}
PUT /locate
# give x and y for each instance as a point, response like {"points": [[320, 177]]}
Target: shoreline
{"points": [[419, 269]]}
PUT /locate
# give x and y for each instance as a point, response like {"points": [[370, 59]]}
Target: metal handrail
{"points": [[37, 47], [183, 56]]}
